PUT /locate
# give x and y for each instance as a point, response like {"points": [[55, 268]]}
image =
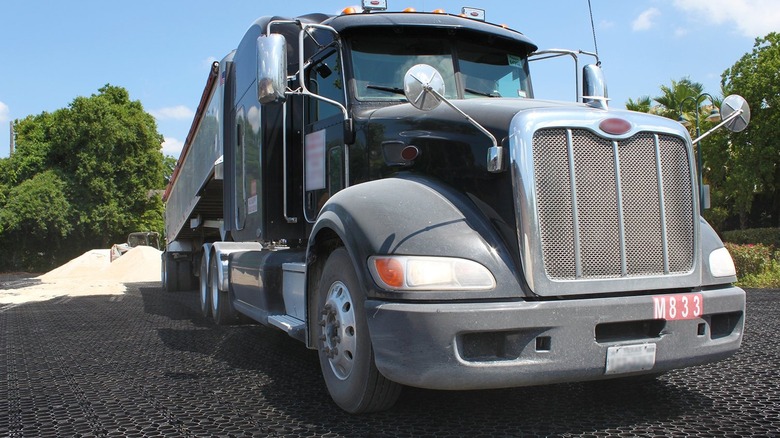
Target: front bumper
{"points": [[495, 345]]}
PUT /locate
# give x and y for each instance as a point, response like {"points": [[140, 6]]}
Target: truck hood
{"points": [[492, 113]]}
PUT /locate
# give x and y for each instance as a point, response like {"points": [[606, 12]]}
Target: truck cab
{"points": [[385, 187]]}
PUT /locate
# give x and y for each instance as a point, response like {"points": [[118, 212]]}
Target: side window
{"points": [[325, 78]]}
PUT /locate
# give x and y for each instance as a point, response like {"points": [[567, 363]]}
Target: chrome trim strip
{"points": [[574, 213], [661, 202], [621, 220]]}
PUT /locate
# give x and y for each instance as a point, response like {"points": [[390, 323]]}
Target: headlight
{"points": [[429, 273], [721, 263]]}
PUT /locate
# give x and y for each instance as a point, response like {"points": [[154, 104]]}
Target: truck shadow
{"points": [[264, 370]]}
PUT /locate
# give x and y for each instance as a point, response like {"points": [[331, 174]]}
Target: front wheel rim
{"points": [[339, 337]]}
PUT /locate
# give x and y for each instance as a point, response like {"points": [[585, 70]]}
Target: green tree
{"points": [[169, 164], [754, 161], [35, 214], [104, 151]]}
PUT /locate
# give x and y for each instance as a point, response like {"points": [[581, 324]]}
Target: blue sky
{"points": [[160, 51]]}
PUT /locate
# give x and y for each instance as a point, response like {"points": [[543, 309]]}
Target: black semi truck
{"points": [[384, 187]]}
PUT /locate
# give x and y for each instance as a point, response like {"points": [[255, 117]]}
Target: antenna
{"points": [[593, 29]]}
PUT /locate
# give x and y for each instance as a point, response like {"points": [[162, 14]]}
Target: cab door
{"points": [[324, 149]]}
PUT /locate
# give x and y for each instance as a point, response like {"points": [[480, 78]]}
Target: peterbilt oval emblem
{"points": [[615, 126]]}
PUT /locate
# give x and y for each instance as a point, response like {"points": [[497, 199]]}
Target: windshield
{"points": [[469, 70]]}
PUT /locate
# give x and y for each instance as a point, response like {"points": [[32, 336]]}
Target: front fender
{"points": [[412, 215]]}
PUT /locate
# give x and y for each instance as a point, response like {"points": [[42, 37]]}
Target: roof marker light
{"points": [[439, 11], [374, 5], [348, 11], [476, 14], [410, 10]]}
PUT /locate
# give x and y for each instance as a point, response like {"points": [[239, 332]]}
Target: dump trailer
{"points": [[385, 188]]}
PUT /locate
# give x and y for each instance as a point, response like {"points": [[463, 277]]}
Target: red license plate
{"points": [[680, 306]]}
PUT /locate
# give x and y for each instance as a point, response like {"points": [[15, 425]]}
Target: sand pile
{"points": [[85, 265], [140, 264], [92, 273]]}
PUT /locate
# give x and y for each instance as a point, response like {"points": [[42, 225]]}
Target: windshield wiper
{"points": [[395, 90], [482, 93]]}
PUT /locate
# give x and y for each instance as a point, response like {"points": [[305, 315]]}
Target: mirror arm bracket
{"points": [[495, 158], [731, 117]]}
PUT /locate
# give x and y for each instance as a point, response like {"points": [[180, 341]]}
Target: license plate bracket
{"points": [[624, 359]]}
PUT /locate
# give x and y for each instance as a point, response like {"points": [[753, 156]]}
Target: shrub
{"points": [[769, 278], [750, 259], [765, 236]]}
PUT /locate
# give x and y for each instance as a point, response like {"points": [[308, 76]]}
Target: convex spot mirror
{"points": [[423, 87], [594, 86], [271, 68], [730, 105]]}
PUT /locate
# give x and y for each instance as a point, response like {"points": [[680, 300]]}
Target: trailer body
{"points": [[492, 241]]}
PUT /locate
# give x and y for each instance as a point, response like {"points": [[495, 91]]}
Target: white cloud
{"points": [[180, 112], [606, 24], [5, 112], [753, 18], [172, 146], [645, 20]]}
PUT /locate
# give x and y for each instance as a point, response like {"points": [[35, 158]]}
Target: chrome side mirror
{"points": [[734, 115], [271, 68], [423, 87], [594, 86], [731, 105]]}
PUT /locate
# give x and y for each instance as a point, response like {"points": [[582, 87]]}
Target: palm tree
{"points": [[642, 104], [669, 102]]}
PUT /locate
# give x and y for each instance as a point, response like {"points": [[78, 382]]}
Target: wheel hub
{"points": [[338, 330]]}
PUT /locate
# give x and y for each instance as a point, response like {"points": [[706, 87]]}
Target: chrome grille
{"points": [[613, 209]]}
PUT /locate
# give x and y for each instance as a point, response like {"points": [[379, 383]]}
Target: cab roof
{"points": [[346, 23]]}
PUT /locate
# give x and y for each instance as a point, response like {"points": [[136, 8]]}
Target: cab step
{"points": [[290, 324]]}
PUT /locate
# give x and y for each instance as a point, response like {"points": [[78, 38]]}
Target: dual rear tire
{"points": [[214, 302], [176, 272]]}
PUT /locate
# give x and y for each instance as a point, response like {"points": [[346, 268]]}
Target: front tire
{"points": [[345, 352]]}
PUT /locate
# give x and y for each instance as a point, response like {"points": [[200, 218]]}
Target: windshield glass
{"points": [[487, 71], [469, 70], [379, 65]]}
